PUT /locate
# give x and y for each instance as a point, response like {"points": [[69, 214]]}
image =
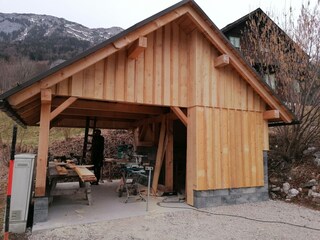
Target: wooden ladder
{"points": [[91, 124]]}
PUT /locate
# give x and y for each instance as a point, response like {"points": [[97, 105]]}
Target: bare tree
{"points": [[291, 68], [18, 70]]}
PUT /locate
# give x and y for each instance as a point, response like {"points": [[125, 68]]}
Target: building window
{"points": [[270, 79], [235, 41]]}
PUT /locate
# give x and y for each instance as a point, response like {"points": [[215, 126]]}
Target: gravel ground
{"points": [[246, 221]]}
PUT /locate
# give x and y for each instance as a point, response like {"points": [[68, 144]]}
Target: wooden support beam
{"points": [[159, 156], [271, 115], [177, 111], [169, 157], [111, 107], [46, 96], [41, 171], [104, 124], [221, 61], [62, 107], [137, 48]]}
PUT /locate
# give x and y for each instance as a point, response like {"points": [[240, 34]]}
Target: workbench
{"points": [[54, 178]]}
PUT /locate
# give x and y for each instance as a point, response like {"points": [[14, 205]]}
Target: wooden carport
{"points": [[175, 64]]}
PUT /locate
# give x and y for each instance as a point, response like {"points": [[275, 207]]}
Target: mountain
{"points": [[43, 37]]}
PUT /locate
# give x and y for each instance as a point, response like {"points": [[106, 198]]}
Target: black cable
{"points": [[236, 216]]}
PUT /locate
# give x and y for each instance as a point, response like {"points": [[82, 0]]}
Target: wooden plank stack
{"points": [[85, 174]]}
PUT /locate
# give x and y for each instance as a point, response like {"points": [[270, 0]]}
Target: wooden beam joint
{"points": [[177, 111], [271, 115], [62, 107], [222, 61], [46, 96], [137, 47]]}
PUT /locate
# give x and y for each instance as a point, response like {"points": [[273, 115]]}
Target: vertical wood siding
{"points": [[159, 76], [228, 148], [226, 126]]}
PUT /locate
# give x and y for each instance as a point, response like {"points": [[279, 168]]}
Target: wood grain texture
{"points": [[228, 148]]}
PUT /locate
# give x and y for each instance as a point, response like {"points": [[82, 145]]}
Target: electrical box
{"points": [[21, 192]]}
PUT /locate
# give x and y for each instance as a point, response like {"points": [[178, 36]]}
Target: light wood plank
{"points": [[41, 170], [184, 69], [191, 173], [77, 81], [166, 65], [225, 149], [110, 77], [99, 79], [246, 148], [217, 149], [130, 80], [205, 71], [119, 78], [253, 149], [139, 79], [159, 156], [63, 87], [148, 71], [233, 156], [208, 147], [157, 65], [175, 65], [200, 148], [88, 80]]}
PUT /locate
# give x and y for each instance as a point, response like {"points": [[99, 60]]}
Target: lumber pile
{"points": [[61, 170], [85, 174], [73, 166]]}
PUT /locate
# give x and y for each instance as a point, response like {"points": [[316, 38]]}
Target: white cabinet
{"points": [[21, 191]]}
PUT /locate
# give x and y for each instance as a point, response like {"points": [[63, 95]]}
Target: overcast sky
{"points": [[125, 13]]}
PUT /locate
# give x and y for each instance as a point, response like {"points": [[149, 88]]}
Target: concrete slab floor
{"points": [[106, 205]]}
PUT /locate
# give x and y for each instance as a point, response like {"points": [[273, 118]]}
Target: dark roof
{"points": [[242, 20]]}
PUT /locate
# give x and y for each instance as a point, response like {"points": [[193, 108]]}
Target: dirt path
{"points": [[191, 224]]}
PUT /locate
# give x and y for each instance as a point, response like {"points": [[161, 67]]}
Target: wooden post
{"points": [[169, 157], [41, 171], [159, 156]]}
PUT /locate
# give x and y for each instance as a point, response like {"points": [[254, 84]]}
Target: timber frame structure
{"points": [[174, 65]]}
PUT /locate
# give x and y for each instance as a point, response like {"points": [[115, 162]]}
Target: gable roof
{"points": [[243, 20], [123, 39]]}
